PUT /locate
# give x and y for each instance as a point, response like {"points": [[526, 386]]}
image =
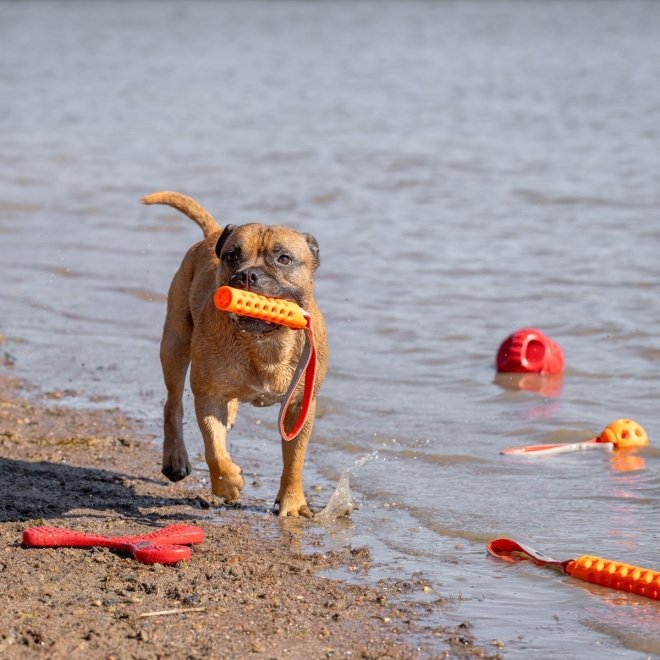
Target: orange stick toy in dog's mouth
{"points": [[282, 312], [248, 303]]}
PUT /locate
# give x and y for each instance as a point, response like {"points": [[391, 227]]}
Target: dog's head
{"points": [[271, 260]]}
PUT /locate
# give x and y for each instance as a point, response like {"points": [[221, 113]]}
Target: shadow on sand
{"points": [[46, 490]]}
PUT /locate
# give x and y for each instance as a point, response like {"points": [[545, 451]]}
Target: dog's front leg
{"points": [[291, 497], [175, 358], [213, 420]]}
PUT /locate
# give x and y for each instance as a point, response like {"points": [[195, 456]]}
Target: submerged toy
{"points": [[529, 350], [291, 315], [620, 434], [163, 546], [604, 572]]}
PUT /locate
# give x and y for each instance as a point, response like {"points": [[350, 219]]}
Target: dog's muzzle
{"points": [[258, 281]]}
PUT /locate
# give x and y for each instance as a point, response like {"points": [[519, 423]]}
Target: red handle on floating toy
{"points": [[162, 546], [282, 312], [604, 572], [620, 434]]}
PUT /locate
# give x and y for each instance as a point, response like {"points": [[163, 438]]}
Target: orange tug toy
{"points": [[603, 572], [274, 310], [286, 313]]}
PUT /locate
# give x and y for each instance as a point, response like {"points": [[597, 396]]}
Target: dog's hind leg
{"points": [[175, 358], [232, 413]]}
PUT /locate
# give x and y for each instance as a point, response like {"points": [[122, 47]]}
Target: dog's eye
{"points": [[232, 257], [284, 259]]}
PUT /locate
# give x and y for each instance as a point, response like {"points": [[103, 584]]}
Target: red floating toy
{"points": [[529, 351], [163, 546]]}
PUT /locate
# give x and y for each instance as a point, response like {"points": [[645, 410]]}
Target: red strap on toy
{"points": [[512, 551], [307, 367]]}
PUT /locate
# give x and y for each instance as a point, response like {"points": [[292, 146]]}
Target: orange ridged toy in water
{"points": [[615, 575], [604, 572], [248, 303]]}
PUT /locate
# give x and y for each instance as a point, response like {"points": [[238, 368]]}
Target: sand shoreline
{"points": [[244, 593]]}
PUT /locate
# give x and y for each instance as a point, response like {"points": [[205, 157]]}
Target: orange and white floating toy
{"points": [[619, 434]]}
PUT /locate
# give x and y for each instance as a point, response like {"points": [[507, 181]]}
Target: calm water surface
{"points": [[468, 168]]}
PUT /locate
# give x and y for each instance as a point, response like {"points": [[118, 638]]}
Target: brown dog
{"points": [[235, 358]]}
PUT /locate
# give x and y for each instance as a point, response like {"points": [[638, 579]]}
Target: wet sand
{"points": [[243, 593]]}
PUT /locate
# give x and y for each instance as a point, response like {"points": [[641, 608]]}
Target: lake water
{"points": [[469, 168]]}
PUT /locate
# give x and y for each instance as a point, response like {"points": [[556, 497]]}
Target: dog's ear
{"points": [[314, 248], [226, 232]]}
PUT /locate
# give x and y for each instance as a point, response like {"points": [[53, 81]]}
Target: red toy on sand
{"points": [[167, 545]]}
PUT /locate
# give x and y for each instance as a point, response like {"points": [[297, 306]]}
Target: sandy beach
{"points": [[242, 594]]}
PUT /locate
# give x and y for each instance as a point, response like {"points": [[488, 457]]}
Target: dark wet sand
{"points": [[242, 594]]}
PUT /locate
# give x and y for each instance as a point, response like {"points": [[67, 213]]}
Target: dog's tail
{"points": [[186, 205]]}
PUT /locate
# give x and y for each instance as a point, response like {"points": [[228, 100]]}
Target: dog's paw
{"points": [[176, 473], [293, 506], [228, 484]]}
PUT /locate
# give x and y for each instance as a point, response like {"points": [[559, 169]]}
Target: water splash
{"points": [[361, 461], [341, 503]]}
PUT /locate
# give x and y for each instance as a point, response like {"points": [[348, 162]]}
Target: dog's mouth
{"points": [[253, 326]]}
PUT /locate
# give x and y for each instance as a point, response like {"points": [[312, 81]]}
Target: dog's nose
{"points": [[247, 278]]}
